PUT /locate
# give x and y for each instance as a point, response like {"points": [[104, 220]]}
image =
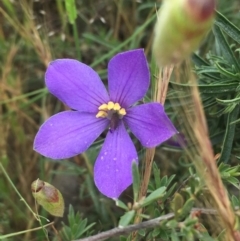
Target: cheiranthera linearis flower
{"points": [[69, 133]]}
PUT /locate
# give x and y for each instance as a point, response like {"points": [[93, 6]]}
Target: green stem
{"points": [[25, 231], [38, 217], [15, 189], [18, 193], [76, 39]]}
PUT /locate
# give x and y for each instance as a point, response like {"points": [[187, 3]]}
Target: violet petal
{"points": [[68, 133], [128, 77], [150, 124], [113, 167], [76, 84]]}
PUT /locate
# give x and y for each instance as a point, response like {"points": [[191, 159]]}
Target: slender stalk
{"points": [[18, 193], [76, 39], [160, 94], [15, 189], [25, 231]]}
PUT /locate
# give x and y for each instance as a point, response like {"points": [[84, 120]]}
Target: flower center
{"points": [[113, 112]]}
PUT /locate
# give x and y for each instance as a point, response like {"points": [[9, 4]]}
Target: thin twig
{"points": [[135, 227]]}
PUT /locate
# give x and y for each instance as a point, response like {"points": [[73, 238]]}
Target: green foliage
{"points": [[218, 80], [126, 218], [229, 174], [76, 228], [155, 195], [227, 26], [27, 46]]}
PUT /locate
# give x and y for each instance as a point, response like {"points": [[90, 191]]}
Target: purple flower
{"points": [[69, 133]]}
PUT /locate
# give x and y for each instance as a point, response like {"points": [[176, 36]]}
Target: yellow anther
{"points": [[109, 109], [103, 107], [122, 112], [110, 105], [116, 106], [101, 114]]}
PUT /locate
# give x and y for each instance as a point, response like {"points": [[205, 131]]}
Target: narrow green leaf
{"points": [[86, 229], [229, 135], [98, 40], [164, 181], [225, 175], [186, 209], [177, 203], [174, 236], [126, 218], [228, 27], [170, 180], [210, 89], [71, 10], [189, 222], [142, 232], [233, 170], [156, 174], [222, 235], [9, 6], [223, 167], [156, 232], [163, 234], [225, 48], [144, 216], [172, 224], [170, 190], [198, 60], [204, 236], [234, 181], [136, 180], [226, 72], [228, 102], [160, 192], [235, 201], [121, 204]]}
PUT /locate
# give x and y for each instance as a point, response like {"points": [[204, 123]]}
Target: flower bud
{"points": [[180, 27], [48, 197]]}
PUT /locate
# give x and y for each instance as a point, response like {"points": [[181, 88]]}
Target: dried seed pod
{"points": [[180, 27], [48, 197]]}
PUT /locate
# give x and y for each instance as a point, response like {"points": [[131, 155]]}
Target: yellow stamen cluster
{"points": [[108, 109]]}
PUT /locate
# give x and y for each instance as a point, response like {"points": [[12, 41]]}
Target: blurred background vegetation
{"points": [[32, 33]]}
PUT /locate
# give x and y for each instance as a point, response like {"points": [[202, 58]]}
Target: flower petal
{"points": [[113, 167], [128, 77], [150, 124], [68, 133], [76, 84]]}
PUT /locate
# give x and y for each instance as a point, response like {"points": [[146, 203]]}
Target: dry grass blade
{"points": [[6, 69], [160, 93], [29, 32], [203, 157]]}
